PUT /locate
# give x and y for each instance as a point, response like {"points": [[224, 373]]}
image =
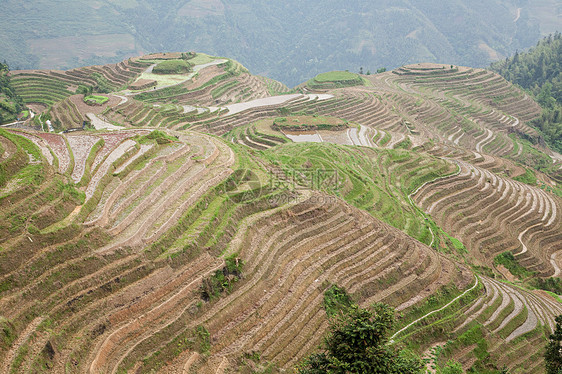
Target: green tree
{"points": [[553, 354], [539, 72], [452, 367], [357, 344]]}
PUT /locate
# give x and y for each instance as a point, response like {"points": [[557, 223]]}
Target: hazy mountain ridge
{"points": [[290, 41]]}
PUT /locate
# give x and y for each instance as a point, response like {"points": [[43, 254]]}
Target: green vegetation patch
{"points": [[529, 177], [159, 136], [335, 79], [308, 123], [551, 284], [10, 103], [336, 76], [222, 280], [510, 262], [96, 99], [201, 58], [356, 343], [172, 67], [336, 300], [362, 178], [7, 333], [538, 71]]}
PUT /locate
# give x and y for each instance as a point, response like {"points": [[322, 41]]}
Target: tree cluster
{"points": [[539, 72], [10, 103], [357, 343]]}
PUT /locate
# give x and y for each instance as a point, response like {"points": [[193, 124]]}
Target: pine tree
{"points": [[553, 354]]}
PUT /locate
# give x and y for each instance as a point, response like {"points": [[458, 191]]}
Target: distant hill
{"points": [[540, 72], [290, 41]]}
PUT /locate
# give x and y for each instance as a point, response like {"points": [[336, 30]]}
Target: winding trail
{"points": [[477, 281], [194, 356], [100, 124], [518, 15], [554, 264], [124, 99]]}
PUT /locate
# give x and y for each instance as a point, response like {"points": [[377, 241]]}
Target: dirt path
{"points": [[100, 124], [194, 356], [554, 263], [477, 281], [267, 101], [518, 15], [124, 99], [102, 170], [222, 366]]}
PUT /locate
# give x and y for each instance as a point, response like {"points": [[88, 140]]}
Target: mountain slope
{"points": [[540, 72], [197, 221], [289, 41]]}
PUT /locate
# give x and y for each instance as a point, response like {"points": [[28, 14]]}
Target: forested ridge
{"points": [[539, 71], [290, 41], [10, 103]]}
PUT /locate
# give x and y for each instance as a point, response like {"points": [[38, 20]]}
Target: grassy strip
{"points": [[386, 138], [13, 164], [103, 85], [474, 335], [19, 359], [503, 315], [487, 313], [514, 323], [219, 91], [139, 162], [438, 300], [22, 142], [91, 204], [89, 161]]}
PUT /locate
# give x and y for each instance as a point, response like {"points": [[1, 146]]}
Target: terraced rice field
{"points": [[195, 237], [484, 210]]}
